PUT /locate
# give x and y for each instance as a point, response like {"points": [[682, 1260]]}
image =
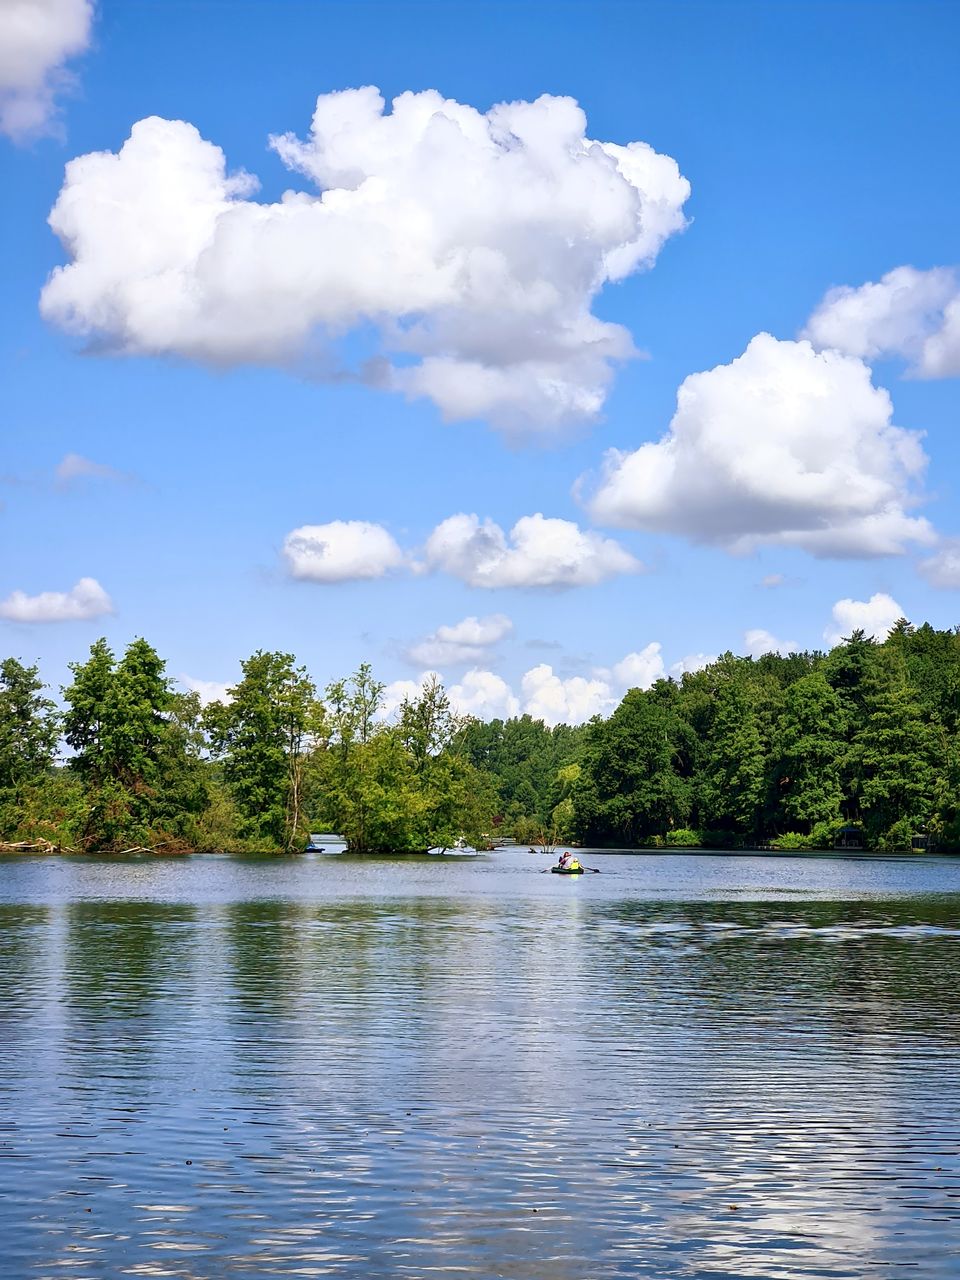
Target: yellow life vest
{"points": [[573, 865]]}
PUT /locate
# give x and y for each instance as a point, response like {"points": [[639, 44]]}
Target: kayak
{"points": [[567, 871]]}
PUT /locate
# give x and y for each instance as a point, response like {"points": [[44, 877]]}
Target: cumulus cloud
{"points": [[473, 244], [909, 313], [461, 642], [397, 692], [639, 670], [485, 695], [208, 690], [36, 38], [86, 599], [548, 697], [539, 552], [758, 642], [341, 551], [692, 662], [786, 446], [73, 467], [874, 616], [943, 568]]}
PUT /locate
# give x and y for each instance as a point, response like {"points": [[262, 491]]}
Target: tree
{"points": [[403, 786], [28, 737], [631, 787], [901, 759], [732, 776], [811, 735], [134, 749], [263, 736]]}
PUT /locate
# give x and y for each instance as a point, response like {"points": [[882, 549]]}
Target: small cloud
{"points": [[692, 662], [943, 568], [484, 695], [341, 551], [539, 552], [398, 692], [36, 38], [874, 616], [462, 642], [87, 599], [73, 467], [638, 670], [909, 313], [758, 642], [208, 690], [773, 580]]}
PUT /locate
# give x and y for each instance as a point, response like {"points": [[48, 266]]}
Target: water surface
{"points": [[684, 1066]]}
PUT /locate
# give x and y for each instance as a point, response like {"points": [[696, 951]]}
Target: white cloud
{"points": [[910, 313], [484, 695], [36, 39], [209, 690], [341, 551], [772, 580], [86, 599], [942, 569], [874, 616], [461, 642], [548, 697], [544, 694], [398, 692], [692, 662], [474, 244], [72, 466], [783, 446], [758, 642], [639, 670], [540, 552]]}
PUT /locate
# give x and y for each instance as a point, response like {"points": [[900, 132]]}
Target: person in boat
{"points": [[564, 858]]}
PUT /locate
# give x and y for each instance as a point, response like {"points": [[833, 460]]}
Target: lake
{"points": [[684, 1066]]}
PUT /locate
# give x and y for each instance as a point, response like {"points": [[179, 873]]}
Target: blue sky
{"points": [[817, 143]]}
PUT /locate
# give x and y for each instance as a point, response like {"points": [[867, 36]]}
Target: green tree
{"points": [[262, 737], [631, 786], [402, 786], [811, 743], [28, 738], [900, 759], [137, 761], [731, 783]]}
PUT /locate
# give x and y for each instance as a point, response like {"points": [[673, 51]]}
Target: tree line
{"points": [[790, 750]]}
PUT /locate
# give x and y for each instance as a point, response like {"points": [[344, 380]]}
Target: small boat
{"points": [[575, 870]]}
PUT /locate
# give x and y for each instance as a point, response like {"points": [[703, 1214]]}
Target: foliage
{"points": [[135, 750], [778, 750], [399, 786], [28, 739], [262, 737], [683, 838]]}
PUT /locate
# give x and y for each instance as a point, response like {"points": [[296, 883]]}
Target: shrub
{"points": [[683, 838], [792, 840]]}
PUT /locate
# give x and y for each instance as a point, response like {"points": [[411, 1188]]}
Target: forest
{"points": [[787, 751]]}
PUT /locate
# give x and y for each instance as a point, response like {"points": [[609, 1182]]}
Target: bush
{"points": [[683, 838], [897, 839], [823, 835], [792, 840]]}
